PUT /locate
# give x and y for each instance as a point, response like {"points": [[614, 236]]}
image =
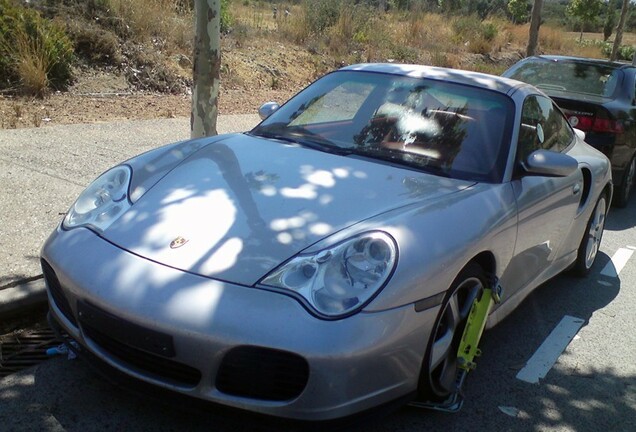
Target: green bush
{"points": [[478, 35], [226, 18], [404, 54], [35, 53], [351, 30], [489, 31], [469, 27], [321, 14], [625, 52]]}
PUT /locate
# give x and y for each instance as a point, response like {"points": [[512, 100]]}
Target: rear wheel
{"points": [[591, 241], [625, 189], [440, 367]]}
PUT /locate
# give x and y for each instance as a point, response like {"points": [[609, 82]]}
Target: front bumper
{"points": [[184, 332]]}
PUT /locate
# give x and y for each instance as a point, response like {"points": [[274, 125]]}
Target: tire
{"points": [[440, 367], [625, 189], [591, 241]]}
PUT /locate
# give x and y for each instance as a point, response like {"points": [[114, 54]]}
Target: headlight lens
{"points": [[341, 279], [102, 202]]}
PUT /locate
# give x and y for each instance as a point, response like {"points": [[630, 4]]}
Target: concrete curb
{"points": [[16, 300]]}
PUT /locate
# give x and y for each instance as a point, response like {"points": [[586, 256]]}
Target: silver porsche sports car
{"points": [[325, 262]]}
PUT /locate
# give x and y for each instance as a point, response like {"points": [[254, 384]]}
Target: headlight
{"points": [[102, 202], [341, 279]]}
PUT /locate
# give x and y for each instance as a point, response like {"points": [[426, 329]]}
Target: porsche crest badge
{"points": [[178, 242]]}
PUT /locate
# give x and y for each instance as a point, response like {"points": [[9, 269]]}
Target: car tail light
{"points": [[581, 122], [607, 125], [599, 124]]}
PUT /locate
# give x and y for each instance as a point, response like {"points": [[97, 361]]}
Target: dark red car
{"points": [[598, 97]]}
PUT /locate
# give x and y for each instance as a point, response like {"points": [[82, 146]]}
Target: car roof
{"points": [[491, 82], [616, 64]]}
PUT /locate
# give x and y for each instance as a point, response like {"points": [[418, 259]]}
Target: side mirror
{"points": [[579, 133], [267, 109], [551, 164]]}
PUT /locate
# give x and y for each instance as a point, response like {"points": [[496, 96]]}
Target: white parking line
{"points": [[548, 353], [620, 258]]}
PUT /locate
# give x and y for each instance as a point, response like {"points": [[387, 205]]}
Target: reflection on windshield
{"points": [[447, 129], [569, 76]]}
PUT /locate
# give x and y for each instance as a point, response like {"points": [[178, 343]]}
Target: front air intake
{"points": [[262, 373]]}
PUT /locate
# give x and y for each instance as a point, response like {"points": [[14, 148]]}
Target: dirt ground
{"points": [[250, 76], [65, 108]]}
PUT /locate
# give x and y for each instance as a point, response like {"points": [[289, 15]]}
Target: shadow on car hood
{"points": [[238, 208]]}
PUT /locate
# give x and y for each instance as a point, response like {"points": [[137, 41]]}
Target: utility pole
{"points": [[206, 68]]}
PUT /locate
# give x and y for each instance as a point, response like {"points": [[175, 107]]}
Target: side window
{"points": [[542, 127]]}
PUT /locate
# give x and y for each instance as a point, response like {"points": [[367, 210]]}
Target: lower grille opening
{"points": [[153, 365], [55, 289], [262, 373]]}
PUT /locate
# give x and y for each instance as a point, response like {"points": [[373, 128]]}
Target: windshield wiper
{"points": [[273, 135], [304, 138], [323, 145]]}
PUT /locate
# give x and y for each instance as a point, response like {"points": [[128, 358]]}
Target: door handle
{"points": [[576, 189]]}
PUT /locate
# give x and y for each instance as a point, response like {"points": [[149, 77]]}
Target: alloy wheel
{"points": [[595, 232], [443, 365]]}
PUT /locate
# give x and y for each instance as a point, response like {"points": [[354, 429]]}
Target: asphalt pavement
{"points": [[42, 171]]}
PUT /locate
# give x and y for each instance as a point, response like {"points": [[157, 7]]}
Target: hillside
{"points": [[131, 58]]}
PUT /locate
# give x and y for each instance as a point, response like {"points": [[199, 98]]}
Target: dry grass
{"points": [[489, 68], [147, 18], [591, 51], [416, 36], [31, 63], [260, 16], [155, 19], [552, 40], [341, 35], [628, 38], [556, 41], [423, 30], [444, 59]]}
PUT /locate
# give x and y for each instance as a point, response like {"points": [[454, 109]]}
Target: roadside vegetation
{"points": [[47, 45]]}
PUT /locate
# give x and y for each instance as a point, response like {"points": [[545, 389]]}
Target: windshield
{"points": [[569, 76], [447, 129]]}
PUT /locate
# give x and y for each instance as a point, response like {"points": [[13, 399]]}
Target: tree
{"points": [[586, 11], [610, 20], [519, 10], [535, 23], [206, 68], [619, 30]]}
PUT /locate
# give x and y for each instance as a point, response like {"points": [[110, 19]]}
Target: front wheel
{"points": [[440, 367], [591, 241]]}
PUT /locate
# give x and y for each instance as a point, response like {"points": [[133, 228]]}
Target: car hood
{"points": [[239, 207]]}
